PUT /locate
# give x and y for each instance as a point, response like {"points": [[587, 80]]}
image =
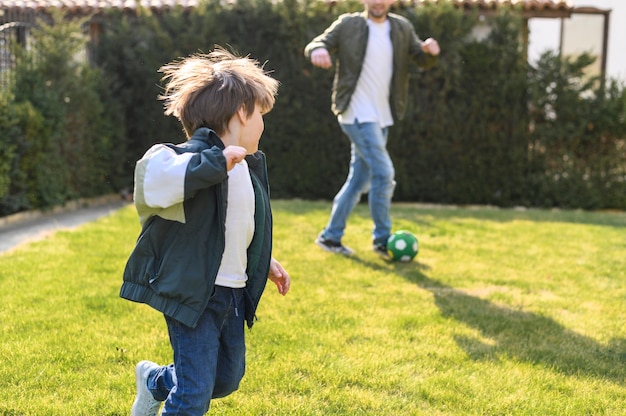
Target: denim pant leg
{"points": [[231, 363], [209, 360], [348, 196], [370, 166]]}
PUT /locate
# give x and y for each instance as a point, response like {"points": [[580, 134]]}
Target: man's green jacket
{"points": [[347, 37]]}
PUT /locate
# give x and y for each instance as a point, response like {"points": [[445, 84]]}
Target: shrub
{"points": [[64, 138], [482, 127], [577, 138], [466, 137]]}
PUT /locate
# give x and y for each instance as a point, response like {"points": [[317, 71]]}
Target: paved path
{"points": [[36, 226]]}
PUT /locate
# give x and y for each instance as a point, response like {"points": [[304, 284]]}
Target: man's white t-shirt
{"points": [[239, 228], [370, 100]]}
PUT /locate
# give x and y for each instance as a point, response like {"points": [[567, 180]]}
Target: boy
{"points": [[204, 253]]}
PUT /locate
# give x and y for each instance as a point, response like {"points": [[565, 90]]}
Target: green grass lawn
{"points": [[503, 312]]}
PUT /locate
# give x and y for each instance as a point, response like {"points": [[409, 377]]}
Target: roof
{"points": [[527, 5], [529, 8], [91, 6], [534, 7]]}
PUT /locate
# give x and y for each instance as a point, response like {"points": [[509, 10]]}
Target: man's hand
{"points": [[320, 57], [233, 155], [280, 277], [431, 47]]}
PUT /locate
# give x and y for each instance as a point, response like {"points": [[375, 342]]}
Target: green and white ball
{"points": [[402, 246]]}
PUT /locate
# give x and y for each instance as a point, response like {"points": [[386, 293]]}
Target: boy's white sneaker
{"points": [[145, 404]]}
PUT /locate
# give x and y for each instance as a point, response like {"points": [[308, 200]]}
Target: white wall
{"points": [[545, 34]]}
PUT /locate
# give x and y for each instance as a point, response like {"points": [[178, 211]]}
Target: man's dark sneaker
{"points": [[381, 250], [333, 246]]}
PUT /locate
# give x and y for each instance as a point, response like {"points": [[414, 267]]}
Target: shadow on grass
{"points": [[518, 334], [411, 212], [525, 336], [415, 213]]}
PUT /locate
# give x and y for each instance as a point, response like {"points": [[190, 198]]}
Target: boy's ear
{"points": [[242, 115]]}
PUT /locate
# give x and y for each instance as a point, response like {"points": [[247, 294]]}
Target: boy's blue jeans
{"points": [[209, 360], [371, 169]]}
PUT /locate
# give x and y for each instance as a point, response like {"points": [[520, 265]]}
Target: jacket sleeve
{"points": [[164, 178], [419, 57], [329, 39]]}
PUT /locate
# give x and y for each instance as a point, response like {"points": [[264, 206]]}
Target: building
{"points": [[584, 32]]}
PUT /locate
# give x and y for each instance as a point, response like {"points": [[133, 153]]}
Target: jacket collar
{"points": [[208, 137]]}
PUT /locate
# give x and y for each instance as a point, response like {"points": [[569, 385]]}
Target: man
{"points": [[373, 49]]}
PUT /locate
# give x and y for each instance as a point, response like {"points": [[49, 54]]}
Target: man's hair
{"points": [[206, 90]]}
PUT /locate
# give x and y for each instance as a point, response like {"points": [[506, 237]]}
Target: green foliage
{"points": [[62, 133], [482, 127], [134, 47], [129, 56], [8, 142], [23, 133], [577, 137], [465, 137]]}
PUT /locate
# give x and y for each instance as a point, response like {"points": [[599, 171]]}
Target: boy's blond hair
{"points": [[206, 90]]}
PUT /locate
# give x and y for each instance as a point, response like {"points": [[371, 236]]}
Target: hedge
{"points": [[482, 127]]}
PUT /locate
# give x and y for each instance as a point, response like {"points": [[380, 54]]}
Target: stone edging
{"points": [[68, 206]]}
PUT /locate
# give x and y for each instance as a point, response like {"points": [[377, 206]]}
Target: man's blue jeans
{"points": [[371, 169], [209, 360]]}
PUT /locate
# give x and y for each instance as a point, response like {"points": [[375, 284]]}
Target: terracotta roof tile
{"points": [[526, 4], [87, 6]]}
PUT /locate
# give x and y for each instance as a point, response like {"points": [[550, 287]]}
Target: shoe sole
{"points": [[139, 379], [324, 247], [384, 256]]}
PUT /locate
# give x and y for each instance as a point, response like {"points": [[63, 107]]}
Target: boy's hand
{"points": [[233, 155], [280, 277]]}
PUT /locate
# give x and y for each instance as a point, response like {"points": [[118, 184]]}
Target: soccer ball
{"points": [[402, 246]]}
